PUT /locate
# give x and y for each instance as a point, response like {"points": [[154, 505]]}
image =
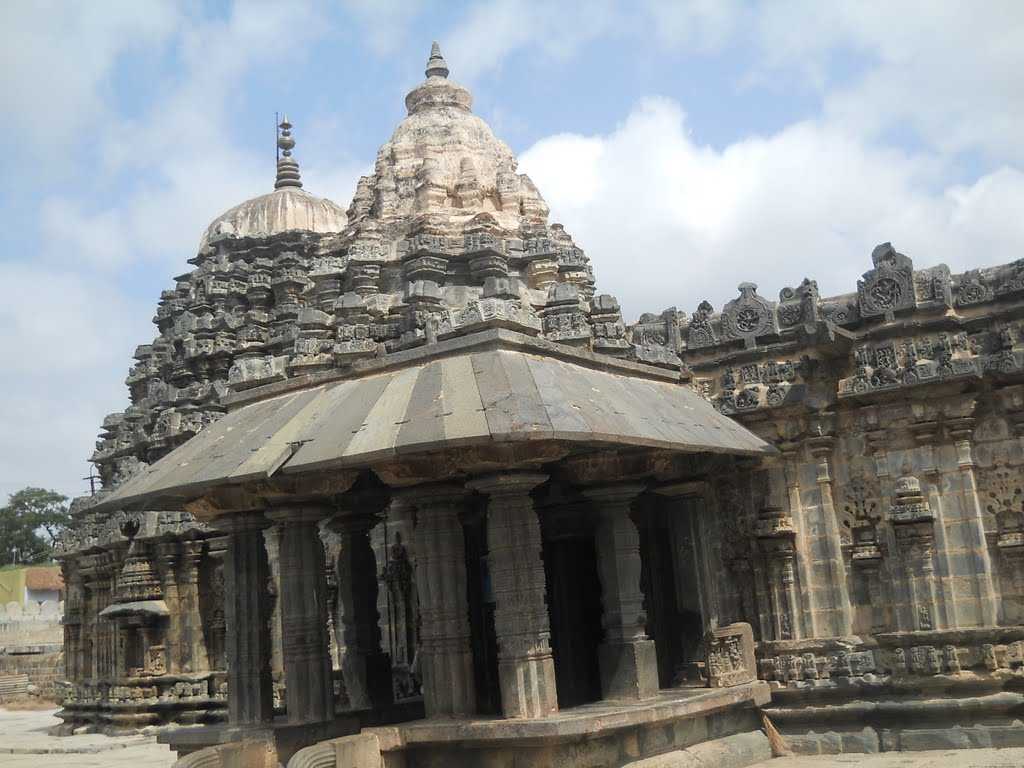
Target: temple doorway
{"points": [[574, 608], [671, 591], [481, 616]]}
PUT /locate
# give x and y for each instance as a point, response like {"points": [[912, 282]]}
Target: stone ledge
{"points": [[85, 749], [737, 751], [583, 721]]}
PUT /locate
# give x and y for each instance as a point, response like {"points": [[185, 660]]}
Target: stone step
{"points": [[13, 685]]}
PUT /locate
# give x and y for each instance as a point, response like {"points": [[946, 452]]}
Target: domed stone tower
{"points": [[287, 283], [445, 239], [288, 207]]}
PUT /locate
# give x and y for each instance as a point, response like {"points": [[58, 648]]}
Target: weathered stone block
{"points": [[629, 670], [359, 751], [730, 655]]}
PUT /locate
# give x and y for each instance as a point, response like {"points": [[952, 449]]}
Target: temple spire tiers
{"points": [[366, 668], [302, 600], [627, 657], [247, 609], [446, 653], [526, 669], [287, 166]]}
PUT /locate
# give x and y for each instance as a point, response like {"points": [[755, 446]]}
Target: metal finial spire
{"points": [[436, 65], [287, 168]]}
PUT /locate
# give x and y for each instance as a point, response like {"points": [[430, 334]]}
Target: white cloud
{"points": [[56, 60], [492, 31], [179, 166], [949, 71], [188, 166], [384, 24], [668, 221], [66, 359]]}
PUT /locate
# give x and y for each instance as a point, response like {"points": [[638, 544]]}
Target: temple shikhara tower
{"points": [[398, 486]]}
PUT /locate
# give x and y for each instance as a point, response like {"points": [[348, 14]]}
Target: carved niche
{"points": [[861, 513], [1004, 490]]}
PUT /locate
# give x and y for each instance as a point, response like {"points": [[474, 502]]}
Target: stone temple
{"points": [[398, 487]]}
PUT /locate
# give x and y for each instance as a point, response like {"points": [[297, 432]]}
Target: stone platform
{"points": [[600, 734]]}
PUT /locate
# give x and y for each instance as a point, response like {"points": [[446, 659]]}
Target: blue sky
{"points": [[686, 145]]}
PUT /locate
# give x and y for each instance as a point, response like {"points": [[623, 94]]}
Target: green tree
{"points": [[30, 523]]}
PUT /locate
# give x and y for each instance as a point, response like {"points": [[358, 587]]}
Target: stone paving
{"points": [[25, 742], [942, 758]]}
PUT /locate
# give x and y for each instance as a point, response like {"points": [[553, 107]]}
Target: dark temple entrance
{"points": [[574, 607], [481, 616], [671, 596]]}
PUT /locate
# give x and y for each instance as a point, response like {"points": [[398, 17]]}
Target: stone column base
{"points": [[628, 670], [528, 687]]}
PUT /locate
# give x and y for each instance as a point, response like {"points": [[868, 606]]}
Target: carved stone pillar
{"points": [[366, 668], [196, 658], [72, 622], [272, 541], [168, 552], [302, 601], [246, 571], [821, 449], [628, 659], [791, 461], [446, 655], [526, 668], [962, 430]]}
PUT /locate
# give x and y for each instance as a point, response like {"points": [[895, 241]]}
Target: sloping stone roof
{"points": [[492, 387]]}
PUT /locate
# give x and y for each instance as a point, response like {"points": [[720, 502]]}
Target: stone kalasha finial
{"points": [[287, 167], [436, 65]]}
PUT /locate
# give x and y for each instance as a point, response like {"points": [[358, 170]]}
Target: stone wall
{"points": [[880, 552], [45, 671], [32, 624]]}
